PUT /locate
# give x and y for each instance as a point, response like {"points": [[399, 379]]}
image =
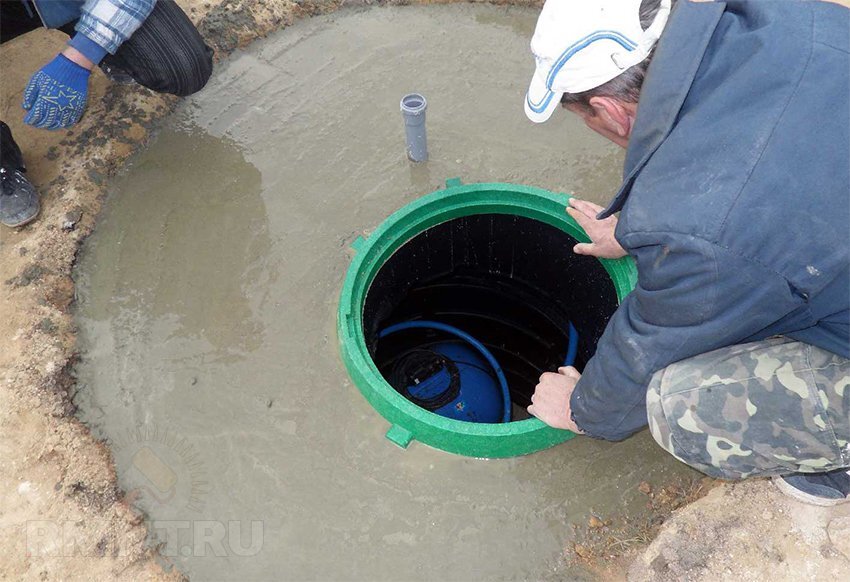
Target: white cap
{"points": [[582, 44]]}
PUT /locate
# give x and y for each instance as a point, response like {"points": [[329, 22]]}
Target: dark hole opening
{"points": [[413, 101], [513, 283]]}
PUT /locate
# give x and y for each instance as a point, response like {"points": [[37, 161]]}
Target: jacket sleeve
{"points": [[109, 23], [692, 297]]}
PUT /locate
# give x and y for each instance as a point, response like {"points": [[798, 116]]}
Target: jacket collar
{"points": [[674, 66]]}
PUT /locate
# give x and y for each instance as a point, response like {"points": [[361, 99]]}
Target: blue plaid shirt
{"points": [[107, 23]]}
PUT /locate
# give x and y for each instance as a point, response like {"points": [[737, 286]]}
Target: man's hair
{"points": [[625, 86]]}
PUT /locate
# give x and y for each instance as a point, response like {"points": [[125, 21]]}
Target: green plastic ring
{"points": [[408, 421]]}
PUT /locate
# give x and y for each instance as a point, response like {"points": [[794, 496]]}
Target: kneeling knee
{"points": [[178, 74], [194, 72], [677, 427]]}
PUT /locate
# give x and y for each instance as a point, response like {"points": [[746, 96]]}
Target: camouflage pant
{"points": [[765, 408]]}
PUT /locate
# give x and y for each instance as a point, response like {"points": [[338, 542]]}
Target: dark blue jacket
{"points": [[736, 198]]}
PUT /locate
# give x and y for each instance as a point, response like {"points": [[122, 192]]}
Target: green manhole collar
{"points": [[409, 422]]}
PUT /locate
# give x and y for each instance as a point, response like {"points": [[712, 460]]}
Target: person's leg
{"points": [[18, 198], [10, 154], [765, 408], [166, 54], [19, 202]]}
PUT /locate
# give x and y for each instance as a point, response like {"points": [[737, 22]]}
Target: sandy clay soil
{"points": [[62, 515]]}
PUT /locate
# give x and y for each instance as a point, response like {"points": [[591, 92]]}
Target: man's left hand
{"points": [[551, 400]]}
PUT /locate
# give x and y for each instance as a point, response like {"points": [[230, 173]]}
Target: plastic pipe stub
{"points": [[410, 422], [413, 106]]}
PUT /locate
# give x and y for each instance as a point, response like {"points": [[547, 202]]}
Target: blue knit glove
{"points": [[56, 94]]}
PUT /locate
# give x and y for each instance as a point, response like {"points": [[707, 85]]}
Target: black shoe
{"points": [[822, 489], [116, 75], [18, 199]]}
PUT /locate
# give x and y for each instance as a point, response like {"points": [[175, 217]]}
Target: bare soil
{"points": [[62, 515]]}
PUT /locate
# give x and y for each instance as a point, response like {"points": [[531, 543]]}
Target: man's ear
{"points": [[613, 114]]}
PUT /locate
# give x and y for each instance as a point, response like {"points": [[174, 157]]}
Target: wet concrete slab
{"points": [[207, 301]]}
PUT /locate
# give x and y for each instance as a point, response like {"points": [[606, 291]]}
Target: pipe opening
{"points": [[413, 103], [510, 282]]}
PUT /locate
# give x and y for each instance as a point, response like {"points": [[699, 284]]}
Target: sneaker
{"points": [[18, 199], [822, 489], [116, 75]]}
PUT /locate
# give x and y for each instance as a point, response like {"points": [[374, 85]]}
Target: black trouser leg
{"points": [[10, 154], [166, 54]]}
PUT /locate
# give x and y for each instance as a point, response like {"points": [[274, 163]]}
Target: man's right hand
{"points": [[603, 245], [56, 94]]}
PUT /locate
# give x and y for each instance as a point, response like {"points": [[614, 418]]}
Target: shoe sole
{"points": [[803, 497], [26, 221]]}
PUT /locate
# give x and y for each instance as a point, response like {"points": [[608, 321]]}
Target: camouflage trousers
{"points": [[771, 407]]}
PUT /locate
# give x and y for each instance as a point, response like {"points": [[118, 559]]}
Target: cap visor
{"points": [[540, 102]]}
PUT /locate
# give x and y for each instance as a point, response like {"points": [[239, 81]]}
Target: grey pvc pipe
{"points": [[413, 108]]}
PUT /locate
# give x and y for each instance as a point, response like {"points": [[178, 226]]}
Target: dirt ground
{"points": [[62, 516]]}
